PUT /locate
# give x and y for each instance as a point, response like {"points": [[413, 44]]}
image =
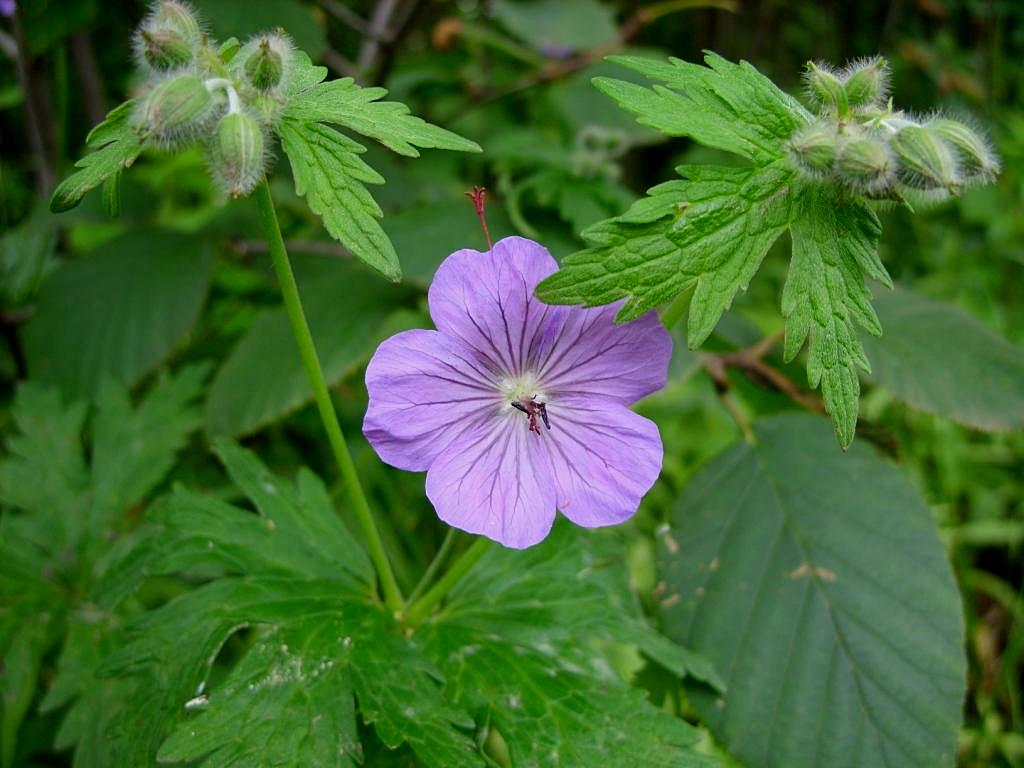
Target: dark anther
{"points": [[533, 409]]}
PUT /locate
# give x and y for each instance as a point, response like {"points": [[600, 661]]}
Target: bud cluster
{"points": [[860, 143], [225, 97]]}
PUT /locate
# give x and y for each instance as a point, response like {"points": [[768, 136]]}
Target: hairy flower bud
{"points": [[814, 146], [265, 62], [977, 160], [825, 89], [867, 82], [237, 154], [178, 17], [164, 49], [177, 109], [264, 67], [867, 164], [169, 37], [926, 161]]}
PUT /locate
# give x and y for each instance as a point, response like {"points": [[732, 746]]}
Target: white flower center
{"points": [[521, 388]]}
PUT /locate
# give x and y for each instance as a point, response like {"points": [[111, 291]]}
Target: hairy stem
{"points": [[420, 610], [310, 361]]}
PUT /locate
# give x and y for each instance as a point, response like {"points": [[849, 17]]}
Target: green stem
{"points": [[420, 610], [310, 361], [432, 569], [674, 311]]}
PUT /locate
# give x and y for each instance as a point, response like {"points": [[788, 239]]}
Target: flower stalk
{"points": [[418, 612], [311, 362]]}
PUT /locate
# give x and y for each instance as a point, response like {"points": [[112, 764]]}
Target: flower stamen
{"points": [[533, 408]]}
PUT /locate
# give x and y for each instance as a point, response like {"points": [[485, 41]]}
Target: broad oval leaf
{"points": [[263, 378], [939, 359], [117, 313], [816, 584]]}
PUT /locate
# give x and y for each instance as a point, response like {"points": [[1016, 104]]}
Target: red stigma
{"points": [[478, 195]]}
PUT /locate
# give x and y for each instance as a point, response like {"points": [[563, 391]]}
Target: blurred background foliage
{"points": [[181, 276]]}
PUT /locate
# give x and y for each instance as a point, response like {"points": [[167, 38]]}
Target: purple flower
{"points": [[515, 408]]}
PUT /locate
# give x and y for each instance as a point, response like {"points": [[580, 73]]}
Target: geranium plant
{"points": [[803, 610]]}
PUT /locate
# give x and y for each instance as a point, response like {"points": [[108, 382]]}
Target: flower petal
{"points": [[425, 389], [603, 459], [592, 356], [486, 300], [495, 481]]}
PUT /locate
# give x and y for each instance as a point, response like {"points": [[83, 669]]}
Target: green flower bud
{"points": [[164, 49], [867, 82], [825, 89], [177, 17], [814, 146], [237, 154], [265, 62], [926, 161], [977, 160], [177, 109], [866, 164], [264, 67]]}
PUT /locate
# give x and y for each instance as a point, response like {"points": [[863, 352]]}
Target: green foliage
{"points": [[817, 584], [116, 143], [505, 651], [68, 511], [711, 231], [327, 166], [341, 302], [117, 313], [330, 174], [939, 359], [202, 101], [344, 103]]}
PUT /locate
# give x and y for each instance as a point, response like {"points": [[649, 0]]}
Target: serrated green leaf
{"points": [[341, 301], [725, 105], [817, 583], [938, 358], [116, 144], [712, 229], [825, 298], [133, 448], [330, 174], [116, 313], [288, 699], [66, 512], [516, 643], [288, 702], [297, 577], [344, 103]]}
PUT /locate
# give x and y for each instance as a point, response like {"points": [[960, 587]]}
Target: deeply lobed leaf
{"points": [[711, 231], [116, 144], [326, 652], [330, 174], [63, 513], [342, 102]]}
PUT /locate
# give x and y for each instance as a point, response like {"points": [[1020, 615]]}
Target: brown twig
{"points": [[247, 248], [34, 119], [556, 69], [89, 77], [751, 362], [348, 17], [338, 64]]}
